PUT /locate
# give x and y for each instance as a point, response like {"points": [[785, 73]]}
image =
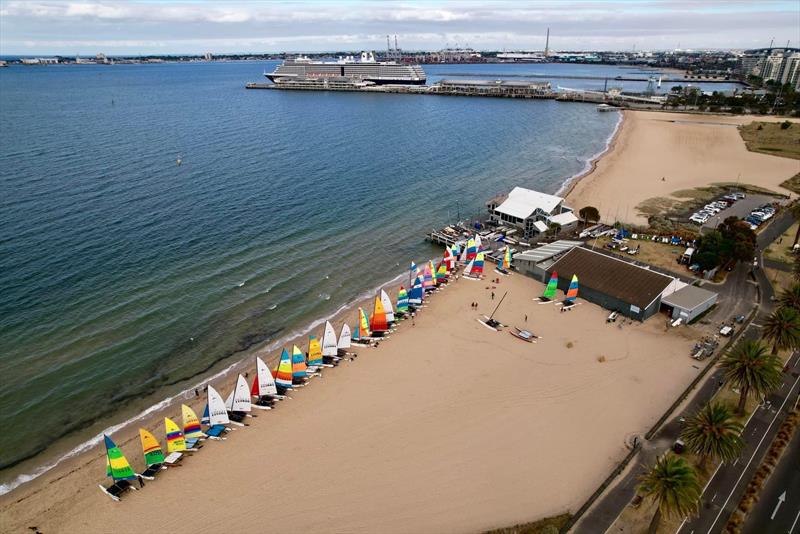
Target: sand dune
{"points": [[446, 427], [686, 150]]}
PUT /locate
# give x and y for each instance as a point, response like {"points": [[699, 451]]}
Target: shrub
{"points": [[785, 125]]}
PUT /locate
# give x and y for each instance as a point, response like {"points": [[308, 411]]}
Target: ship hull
{"points": [[377, 81]]}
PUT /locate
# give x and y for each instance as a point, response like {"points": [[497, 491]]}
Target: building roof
{"points": [[564, 219], [523, 202], [540, 226], [545, 252], [614, 277], [689, 297]]}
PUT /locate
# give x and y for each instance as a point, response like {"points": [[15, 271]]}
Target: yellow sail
{"points": [[191, 424], [151, 448], [175, 440]]}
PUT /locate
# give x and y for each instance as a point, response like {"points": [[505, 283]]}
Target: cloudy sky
{"points": [[196, 26]]}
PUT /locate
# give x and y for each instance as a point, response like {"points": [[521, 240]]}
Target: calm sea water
{"points": [[125, 275]]}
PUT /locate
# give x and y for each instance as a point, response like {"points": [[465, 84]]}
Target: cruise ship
{"points": [[363, 69]]}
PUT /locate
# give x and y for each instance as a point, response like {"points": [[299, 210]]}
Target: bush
{"points": [[785, 125]]}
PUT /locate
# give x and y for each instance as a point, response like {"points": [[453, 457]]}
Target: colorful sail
{"points": [[314, 351], [117, 466], [363, 324], [151, 449], [448, 260], [572, 292], [402, 300], [298, 363], [218, 414], [387, 307], [413, 272], [175, 439], [505, 260], [416, 293], [283, 371], [239, 398], [552, 286], [441, 274], [344, 338], [427, 278], [471, 249], [378, 321], [191, 425], [264, 383], [477, 268], [329, 342]]}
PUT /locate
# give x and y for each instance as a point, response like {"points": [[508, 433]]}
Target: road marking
{"points": [[791, 529], [777, 506], [752, 457], [756, 325]]}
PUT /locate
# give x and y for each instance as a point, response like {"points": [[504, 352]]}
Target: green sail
{"points": [[552, 286]]}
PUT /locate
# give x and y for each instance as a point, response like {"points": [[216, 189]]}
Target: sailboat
{"points": [[192, 431], [216, 414], [441, 273], [175, 440], [283, 373], [572, 294], [550, 290], [314, 362], [427, 278], [416, 294], [477, 268], [504, 263], [343, 345], [469, 271], [387, 308], [362, 337], [378, 323], [118, 468], [238, 402], [463, 258], [300, 374], [402, 302], [413, 272], [264, 389], [449, 260], [330, 349], [153, 455], [471, 249]]}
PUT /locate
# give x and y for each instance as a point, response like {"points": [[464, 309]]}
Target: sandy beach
{"points": [[686, 150], [446, 427]]}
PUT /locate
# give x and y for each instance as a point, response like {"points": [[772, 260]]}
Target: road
{"points": [[728, 483], [770, 517]]}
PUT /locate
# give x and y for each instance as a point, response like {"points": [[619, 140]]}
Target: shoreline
{"points": [[225, 377], [570, 183]]}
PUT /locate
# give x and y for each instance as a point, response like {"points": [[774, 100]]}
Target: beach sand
{"points": [[445, 427], [687, 150]]}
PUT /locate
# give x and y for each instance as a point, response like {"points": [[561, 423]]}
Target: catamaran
{"points": [[330, 348], [362, 337], [216, 415], [192, 431], [343, 345], [314, 362], [550, 290], [572, 294], [402, 302], [238, 402], [153, 455], [118, 468], [264, 389], [504, 263], [175, 440], [378, 323], [300, 373], [283, 373], [387, 308], [471, 250], [416, 295]]}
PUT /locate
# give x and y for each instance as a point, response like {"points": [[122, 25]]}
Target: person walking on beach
{"points": [[526, 318], [492, 295]]}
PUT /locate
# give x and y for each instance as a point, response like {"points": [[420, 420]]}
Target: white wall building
{"points": [[530, 211]]}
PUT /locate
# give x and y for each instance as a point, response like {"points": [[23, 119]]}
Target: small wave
{"points": [[241, 284], [272, 307], [324, 296]]}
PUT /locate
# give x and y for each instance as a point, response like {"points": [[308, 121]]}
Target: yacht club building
{"points": [[530, 211]]}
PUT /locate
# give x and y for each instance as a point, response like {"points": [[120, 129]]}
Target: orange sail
{"points": [[378, 322]]}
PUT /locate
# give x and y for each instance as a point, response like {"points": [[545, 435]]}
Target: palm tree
{"points": [[713, 432], [752, 370], [790, 298], [672, 483], [796, 267], [782, 329]]}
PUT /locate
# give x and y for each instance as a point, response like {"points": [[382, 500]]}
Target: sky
{"points": [[121, 27]]}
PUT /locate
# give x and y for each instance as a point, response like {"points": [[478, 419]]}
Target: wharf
{"points": [[494, 240]]}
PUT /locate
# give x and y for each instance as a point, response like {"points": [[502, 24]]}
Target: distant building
{"points": [[791, 71], [530, 211], [40, 61], [779, 64]]}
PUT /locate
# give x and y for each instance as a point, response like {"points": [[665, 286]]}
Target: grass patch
{"points": [[781, 248], [792, 184], [548, 525], [771, 138], [780, 280]]}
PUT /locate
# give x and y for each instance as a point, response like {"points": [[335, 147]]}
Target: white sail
{"points": [[266, 384], [329, 343], [239, 401], [344, 338], [463, 258], [468, 269], [387, 306], [217, 413], [477, 242]]}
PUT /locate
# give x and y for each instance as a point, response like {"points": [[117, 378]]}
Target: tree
{"points": [[782, 329], [790, 298], [796, 269], [589, 213], [751, 369], [555, 228], [672, 484], [714, 433]]}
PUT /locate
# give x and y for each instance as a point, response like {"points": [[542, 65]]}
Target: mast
{"points": [[547, 44]]}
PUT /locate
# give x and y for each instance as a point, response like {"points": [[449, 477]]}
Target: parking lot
{"points": [[740, 209]]}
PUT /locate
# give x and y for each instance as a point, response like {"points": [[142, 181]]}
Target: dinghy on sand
{"points": [[153, 455], [283, 373], [238, 402], [330, 349], [216, 415], [264, 389], [344, 342], [550, 290], [192, 431], [118, 468]]}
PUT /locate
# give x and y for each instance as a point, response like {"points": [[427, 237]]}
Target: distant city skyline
{"points": [[114, 27]]}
